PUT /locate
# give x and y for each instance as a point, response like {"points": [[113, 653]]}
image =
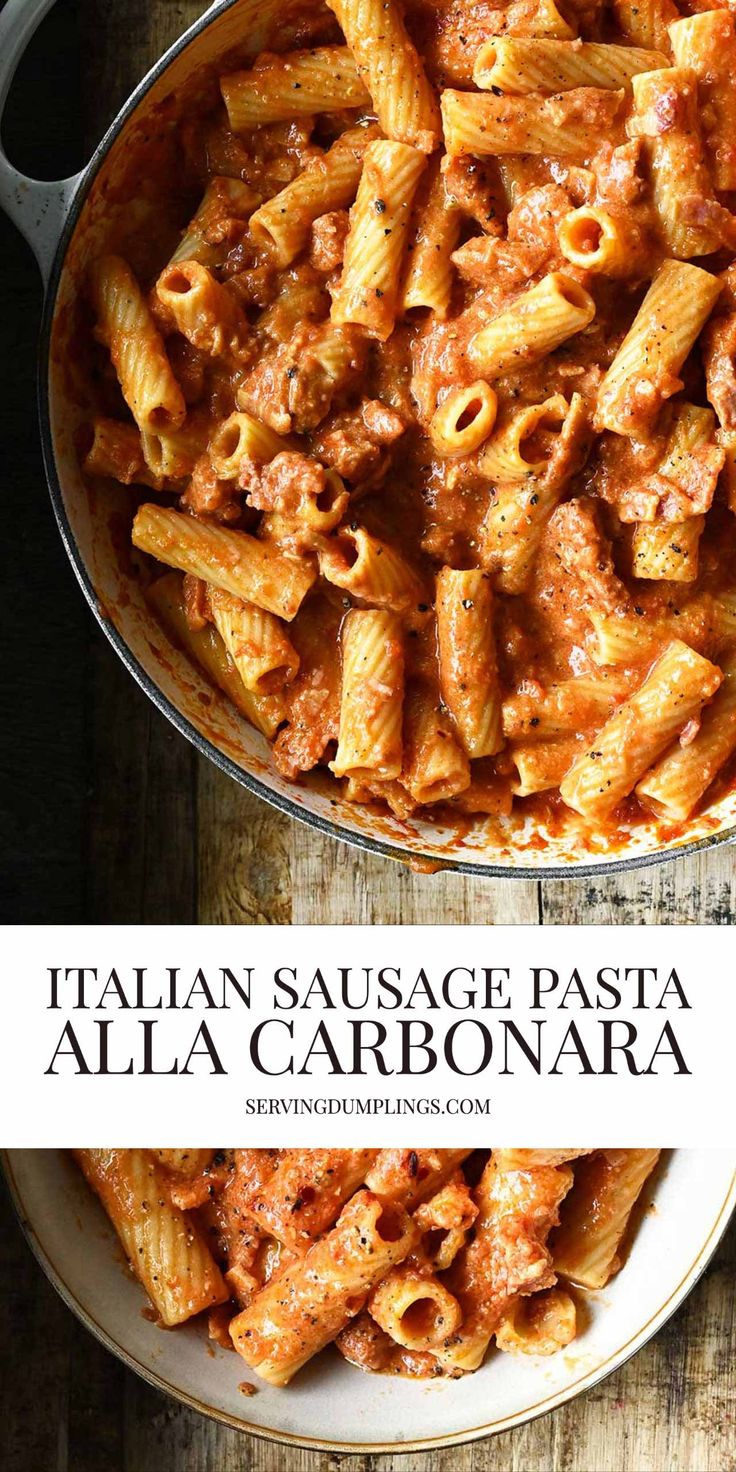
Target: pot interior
{"points": [[96, 524]]}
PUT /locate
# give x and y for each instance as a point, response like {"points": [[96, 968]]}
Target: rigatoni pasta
{"points": [[435, 766], [329, 182], [678, 685], [674, 155], [593, 239], [606, 1188], [573, 125], [166, 1250], [435, 229], [232, 560], [643, 374], [308, 1305], [539, 321], [392, 70], [419, 1278], [674, 787], [256, 641], [367, 293], [202, 309], [372, 696], [468, 664], [282, 87], [464, 419], [204, 644], [125, 325], [519, 65], [705, 45], [371, 570]]}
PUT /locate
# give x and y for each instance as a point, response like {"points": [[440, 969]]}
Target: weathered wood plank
{"points": [[356, 888], [243, 848], [696, 891], [31, 1314]]}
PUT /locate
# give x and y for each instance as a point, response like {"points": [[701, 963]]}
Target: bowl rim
{"points": [[256, 785], [586, 1382]]}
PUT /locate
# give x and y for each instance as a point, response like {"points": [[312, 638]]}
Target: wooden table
{"points": [[114, 818]]}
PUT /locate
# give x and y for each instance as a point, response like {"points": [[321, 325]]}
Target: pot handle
{"points": [[38, 209]]}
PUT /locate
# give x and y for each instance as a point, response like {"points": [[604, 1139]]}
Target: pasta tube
{"points": [[237, 563], [644, 22], [667, 551], [410, 1176], [126, 327], [676, 687], [705, 44], [367, 292], [224, 199], [467, 655], [464, 419], [256, 641], [541, 765], [304, 1195], [370, 570], [173, 454], [508, 1255], [539, 321], [435, 766], [265, 712], [627, 639], [311, 1301], [445, 1221], [388, 62], [162, 1244], [532, 1159], [540, 1324], [520, 447], [204, 311], [593, 239], [572, 125], [607, 1186], [674, 787], [116, 451], [414, 1307], [518, 513], [564, 707], [519, 64], [298, 83], [327, 183], [242, 437], [370, 743], [434, 234], [674, 155], [644, 371]]}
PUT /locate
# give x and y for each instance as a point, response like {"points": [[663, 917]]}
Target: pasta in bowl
{"points": [[681, 1215], [395, 1255], [407, 396]]}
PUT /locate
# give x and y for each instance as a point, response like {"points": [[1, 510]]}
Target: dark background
{"points": [[94, 785], [46, 629]]}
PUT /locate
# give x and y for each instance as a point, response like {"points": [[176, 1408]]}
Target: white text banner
{"points": [[189, 1036]]}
